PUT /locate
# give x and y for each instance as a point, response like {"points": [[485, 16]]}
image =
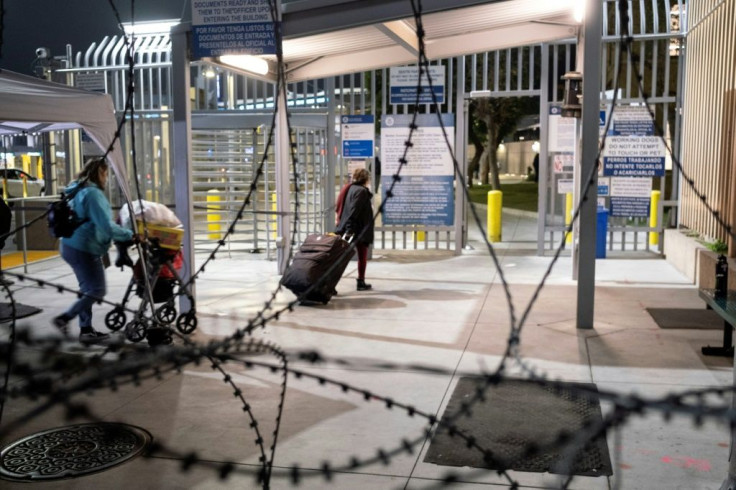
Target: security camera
{"points": [[43, 53]]}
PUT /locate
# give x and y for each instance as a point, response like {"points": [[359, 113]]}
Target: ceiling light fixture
{"points": [[578, 10]]}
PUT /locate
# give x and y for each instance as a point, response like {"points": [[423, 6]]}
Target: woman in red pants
{"points": [[357, 220]]}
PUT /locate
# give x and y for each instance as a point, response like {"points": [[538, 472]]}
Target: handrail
{"points": [[19, 206]]}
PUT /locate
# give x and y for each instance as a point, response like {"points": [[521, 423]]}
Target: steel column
{"points": [[588, 164], [460, 158], [181, 154]]}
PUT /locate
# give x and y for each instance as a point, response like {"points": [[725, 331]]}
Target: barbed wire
{"points": [[140, 363]]}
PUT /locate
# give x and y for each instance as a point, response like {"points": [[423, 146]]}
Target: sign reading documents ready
{"points": [[221, 27], [405, 81], [358, 136]]}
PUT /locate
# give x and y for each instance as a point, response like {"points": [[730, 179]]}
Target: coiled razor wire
{"points": [[58, 380]]}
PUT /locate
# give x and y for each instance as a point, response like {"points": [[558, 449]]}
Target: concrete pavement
{"points": [[427, 308]]}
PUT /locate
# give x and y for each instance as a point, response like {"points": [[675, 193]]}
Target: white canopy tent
{"points": [[30, 105]]}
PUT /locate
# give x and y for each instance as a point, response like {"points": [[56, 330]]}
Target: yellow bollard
{"points": [[654, 217], [495, 205], [25, 186], [26, 163], [420, 236], [568, 216], [213, 217]]}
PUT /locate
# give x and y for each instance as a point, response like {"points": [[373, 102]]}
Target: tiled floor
{"points": [[427, 310]]}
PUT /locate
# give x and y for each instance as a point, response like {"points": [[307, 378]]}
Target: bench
{"points": [[726, 309]]}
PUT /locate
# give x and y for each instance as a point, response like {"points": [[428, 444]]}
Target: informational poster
{"points": [[222, 27], [565, 186], [632, 148], [90, 81], [630, 207], [631, 187], [604, 186], [561, 131], [358, 136], [630, 196], [405, 81], [354, 165], [563, 163], [425, 193]]}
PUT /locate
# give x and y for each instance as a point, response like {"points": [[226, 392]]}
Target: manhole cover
{"points": [[72, 451]]}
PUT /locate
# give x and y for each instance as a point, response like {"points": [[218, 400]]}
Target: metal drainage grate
{"points": [[69, 452]]}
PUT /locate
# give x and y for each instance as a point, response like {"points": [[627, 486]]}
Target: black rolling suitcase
{"points": [[312, 262]]}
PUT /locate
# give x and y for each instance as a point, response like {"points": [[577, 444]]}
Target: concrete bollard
{"points": [[654, 217], [495, 206]]}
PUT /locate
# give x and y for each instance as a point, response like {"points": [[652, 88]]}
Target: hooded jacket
{"points": [[99, 231], [357, 214]]}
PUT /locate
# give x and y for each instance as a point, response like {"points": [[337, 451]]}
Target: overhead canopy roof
{"points": [[331, 37], [29, 105]]}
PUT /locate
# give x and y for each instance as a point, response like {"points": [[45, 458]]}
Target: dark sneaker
{"points": [[62, 323], [93, 337], [362, 286]]}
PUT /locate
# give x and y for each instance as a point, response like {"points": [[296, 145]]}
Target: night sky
{"points": [[29, 24]]}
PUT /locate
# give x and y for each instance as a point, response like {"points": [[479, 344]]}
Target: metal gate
{"points": [[225, 163]]}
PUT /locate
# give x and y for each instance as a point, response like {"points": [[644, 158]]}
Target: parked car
{"points": [[34, 186]]}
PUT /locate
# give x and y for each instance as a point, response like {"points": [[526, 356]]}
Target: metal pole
{"points": [[468, 176], [460, 145], [329, 217], [181, 150], [25, 236], [283, 240], [543, 156], [590, 115]]}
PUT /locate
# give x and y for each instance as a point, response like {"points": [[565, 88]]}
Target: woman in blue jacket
{"points": [[84, 250]]}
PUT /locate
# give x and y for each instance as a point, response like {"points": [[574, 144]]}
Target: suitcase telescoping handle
{"points": [[348, 237]]}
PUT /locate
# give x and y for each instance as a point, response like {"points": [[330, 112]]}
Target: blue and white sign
{"points": [[358, 136], [222, 27], [425, 194], [632, 148], [405, 82]]}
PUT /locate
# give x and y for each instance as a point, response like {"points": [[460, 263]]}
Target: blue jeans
{"points": [[91, 277]]}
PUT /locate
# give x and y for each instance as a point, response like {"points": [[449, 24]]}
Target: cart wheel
{"points": [[166, 314], [135, 331], [115, 319], [187, 322]]}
